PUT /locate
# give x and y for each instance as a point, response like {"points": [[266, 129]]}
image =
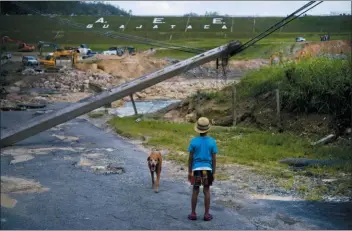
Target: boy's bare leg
{"points": [[206, 191], [195, 198]]}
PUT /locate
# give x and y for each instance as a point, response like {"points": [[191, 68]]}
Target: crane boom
{"points": [[47, 121]]}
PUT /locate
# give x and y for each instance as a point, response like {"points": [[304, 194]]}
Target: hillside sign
{"points": [[156, 21]]}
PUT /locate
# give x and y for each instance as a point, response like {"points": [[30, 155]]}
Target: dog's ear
{"points": [[148, 159]]}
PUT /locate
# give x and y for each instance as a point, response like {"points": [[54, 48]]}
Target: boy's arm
{"points": [[190, 159], [214, 152]]}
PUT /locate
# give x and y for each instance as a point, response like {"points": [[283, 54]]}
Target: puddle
{"points": [[143, 107]]}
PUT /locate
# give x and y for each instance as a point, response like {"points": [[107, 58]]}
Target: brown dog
{"points": [[154, 163]]}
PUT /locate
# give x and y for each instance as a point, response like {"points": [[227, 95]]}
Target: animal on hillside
{"points": [[155, 163]]}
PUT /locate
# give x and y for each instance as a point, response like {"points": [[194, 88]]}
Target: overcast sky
{"points": [[236, 8]]}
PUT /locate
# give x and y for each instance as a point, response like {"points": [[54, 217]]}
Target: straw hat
{"points": [[202, 125]]}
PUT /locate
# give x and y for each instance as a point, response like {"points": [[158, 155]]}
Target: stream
{"points": [[143, 107]]}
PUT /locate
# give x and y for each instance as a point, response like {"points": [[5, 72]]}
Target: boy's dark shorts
{"points": [[202, 179]]}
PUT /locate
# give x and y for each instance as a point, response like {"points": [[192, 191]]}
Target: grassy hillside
{"points": [[34, 28]]}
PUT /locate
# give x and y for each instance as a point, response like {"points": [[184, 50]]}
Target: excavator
{"points": [[22, 47], [59, 51], [56, 59]]}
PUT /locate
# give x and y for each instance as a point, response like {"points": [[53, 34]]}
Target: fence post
{"points": [[134, 105], [198, 114], [234, 105], [351, 109], [278, 108]]}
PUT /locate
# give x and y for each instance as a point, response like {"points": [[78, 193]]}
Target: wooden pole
{"points": [[133, 104], [198, 114], [234, 105], [351, 108], [278, 108]]}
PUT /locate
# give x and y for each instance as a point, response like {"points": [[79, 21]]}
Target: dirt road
{"points": [[64, 187]]}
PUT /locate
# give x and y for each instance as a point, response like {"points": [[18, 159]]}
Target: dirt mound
{"points": [[127, 67], [328, 47]]}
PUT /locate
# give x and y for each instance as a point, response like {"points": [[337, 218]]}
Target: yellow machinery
{"points": [[59, 58], [59, 51]]}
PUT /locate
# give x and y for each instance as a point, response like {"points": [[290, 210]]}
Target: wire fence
{"points": [[270, 110]]}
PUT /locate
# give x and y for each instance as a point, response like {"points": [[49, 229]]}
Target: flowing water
{"points": [[143, 107]]}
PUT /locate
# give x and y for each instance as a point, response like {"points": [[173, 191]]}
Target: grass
{"points": [[246, 146], [236, 145]]}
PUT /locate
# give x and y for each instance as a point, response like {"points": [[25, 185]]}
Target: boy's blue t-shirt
{"points": [[202, 147]]}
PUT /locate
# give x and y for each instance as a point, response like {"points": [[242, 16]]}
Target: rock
{"points": [[191, 117], [86, 81], [13, 97], [19, 84], [33, 93], [117, 103], [12, 89]]}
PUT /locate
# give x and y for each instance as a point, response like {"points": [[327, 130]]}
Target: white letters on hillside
{"points": [[100, 20], [158, 20], [217, 21]]}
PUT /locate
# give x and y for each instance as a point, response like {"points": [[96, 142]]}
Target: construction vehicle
{"points": [[60, 51], [56, 59], [22, 47]]}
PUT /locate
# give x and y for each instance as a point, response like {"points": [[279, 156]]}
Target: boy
{"points": [[201, 166]]}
